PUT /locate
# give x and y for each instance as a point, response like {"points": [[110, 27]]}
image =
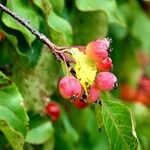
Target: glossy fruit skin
{"points": [[79, 104], [105, 81], [97, 50], [104, 65], [94, 94], [53, 110], [70, 88]]}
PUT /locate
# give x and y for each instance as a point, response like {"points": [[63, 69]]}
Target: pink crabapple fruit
{"points": [[79, 104], [105, 81], [104, 65], [94, 94], [70, 88], [98, 50], [53, 110]]}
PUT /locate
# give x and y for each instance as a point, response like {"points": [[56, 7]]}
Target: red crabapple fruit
{"points": [[94, 94], [79, 104], [53, 110], [70, 88], [104, 65], [98, 50], [105, 81]]}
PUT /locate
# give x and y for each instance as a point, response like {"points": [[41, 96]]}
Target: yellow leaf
{"points": [[85, 68]]}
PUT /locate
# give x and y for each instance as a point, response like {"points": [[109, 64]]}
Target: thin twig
{"points": [[59, 52], [54, 48]]}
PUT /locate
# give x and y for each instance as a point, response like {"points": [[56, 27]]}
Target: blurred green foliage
{"points": [[35, 72]]}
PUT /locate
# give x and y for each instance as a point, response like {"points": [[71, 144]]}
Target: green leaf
{"points": [[6, 54], [65, 133], [59, 29], [84, 67], [49, 145], [141, 30], [40, 134], [61, 26], [58, 5], [107, 6], [99, 118], [86, 126], [44, 5], [26, 12], [89, 26], [15, 138], [142, 115], [41, 81], [94, 5], [13, 118], [118, 125], [70, 132]]}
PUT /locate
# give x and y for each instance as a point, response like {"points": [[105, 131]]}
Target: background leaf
{"points": [[40, 134], [143, 34], [91, 25], [39, 82], [13, 118], [60, 30], [58, 5], [107, 6], [15, 138], [61, 26], [24, 10]]}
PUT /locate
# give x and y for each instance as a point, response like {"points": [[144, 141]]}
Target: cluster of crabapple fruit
{"points": [[70, 87], [140, 93]]}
